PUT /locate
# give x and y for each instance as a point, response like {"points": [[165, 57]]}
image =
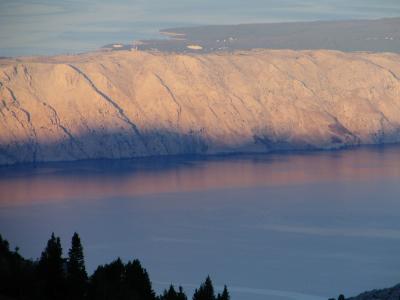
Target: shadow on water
{"points": [[276, 226], [91, 179]]}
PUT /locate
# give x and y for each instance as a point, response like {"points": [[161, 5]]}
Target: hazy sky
{"points": [[62, 26]]}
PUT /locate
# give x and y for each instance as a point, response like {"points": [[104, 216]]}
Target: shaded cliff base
{"points": [[163, 143]]}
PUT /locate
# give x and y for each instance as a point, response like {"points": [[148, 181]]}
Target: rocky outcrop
{"points": [[131, 104]]}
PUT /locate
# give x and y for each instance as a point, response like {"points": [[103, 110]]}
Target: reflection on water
{"points": [[91, 180], [293, 226]]}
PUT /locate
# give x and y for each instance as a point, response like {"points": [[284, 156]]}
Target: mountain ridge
{"points": [[132, 103]]}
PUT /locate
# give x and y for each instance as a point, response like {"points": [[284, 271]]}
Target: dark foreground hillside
{"points": [[392, 293], [55, 277]]}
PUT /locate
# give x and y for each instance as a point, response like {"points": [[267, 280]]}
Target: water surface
{"points": [[278, 226], [69, 26]]}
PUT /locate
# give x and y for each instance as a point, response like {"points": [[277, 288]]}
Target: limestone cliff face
{"points": [[132, 104]]}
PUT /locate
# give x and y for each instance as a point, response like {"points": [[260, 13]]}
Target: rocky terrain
{"points": [[132, 103]]}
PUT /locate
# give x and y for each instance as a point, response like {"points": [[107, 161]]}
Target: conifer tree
{"points": [[172, 294], [169, 294], [107, 281], [206, 291], [181, 294], [16, 273], [225, 294], [137, 280], [76, 271], [51, 269]]}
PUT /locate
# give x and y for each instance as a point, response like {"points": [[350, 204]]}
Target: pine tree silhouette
{"points": [[55, 278], [76, 271], [172, 294], [137, 281], [206, 291], [181, 294], [106, 281], [119, 281], [51, 270], [225, 294], [17, 276]]}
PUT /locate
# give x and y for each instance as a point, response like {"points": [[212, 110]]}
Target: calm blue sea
{"points": [[272, 227], [29, 27]]}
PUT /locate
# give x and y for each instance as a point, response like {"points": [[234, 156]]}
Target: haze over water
{"points": [[293, 226], [69, 26]]}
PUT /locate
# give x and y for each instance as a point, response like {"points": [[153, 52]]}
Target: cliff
{"points": [[132, 103]]}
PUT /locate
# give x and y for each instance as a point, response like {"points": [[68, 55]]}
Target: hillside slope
{"points": [[392, 293], [130, 104]]}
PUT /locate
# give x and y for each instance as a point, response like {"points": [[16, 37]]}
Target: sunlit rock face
{"points": [[132, 104]]}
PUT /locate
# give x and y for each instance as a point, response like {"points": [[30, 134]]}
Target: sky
{"points": [[29, 27]]}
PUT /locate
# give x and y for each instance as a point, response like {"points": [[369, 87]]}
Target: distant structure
{"points": [[174, 35], [136, 44], [194, 47]]}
